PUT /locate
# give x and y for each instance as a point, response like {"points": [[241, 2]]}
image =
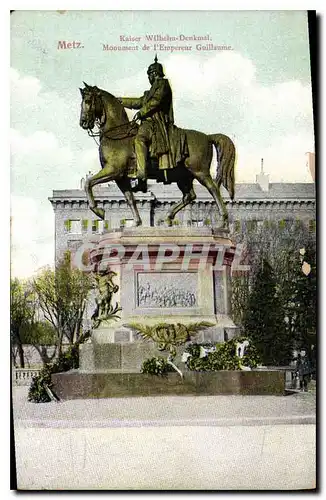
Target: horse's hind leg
{"points": [[124, 186], [207, 181], [189, 195]]}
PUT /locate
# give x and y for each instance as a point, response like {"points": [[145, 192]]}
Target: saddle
{"points": [[154, 169]]}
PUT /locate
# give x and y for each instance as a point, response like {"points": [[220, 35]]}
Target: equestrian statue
{"points": [[151, 146]]}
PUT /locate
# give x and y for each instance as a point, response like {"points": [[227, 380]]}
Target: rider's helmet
{"points": [[156, 66]]}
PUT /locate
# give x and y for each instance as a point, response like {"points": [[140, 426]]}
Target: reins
{"points": [[131, 130]]}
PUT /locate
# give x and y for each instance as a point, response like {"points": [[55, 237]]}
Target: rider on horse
{"points": [[156, 134], [189, 151]]}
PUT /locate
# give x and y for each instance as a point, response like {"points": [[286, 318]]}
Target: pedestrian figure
{"points": [[303, 369]]}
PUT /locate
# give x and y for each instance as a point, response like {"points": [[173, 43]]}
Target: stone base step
{"points": [[81, 385]]}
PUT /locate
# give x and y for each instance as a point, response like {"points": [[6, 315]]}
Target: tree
{"points": [[279, 243], [41, 335], [264, 319], [62, 296], [240, 296], [22, 309], [303, 305], [272, 238]]}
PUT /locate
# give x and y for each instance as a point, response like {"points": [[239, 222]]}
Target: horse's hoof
{"points": [[137, 223], [169, 222]]}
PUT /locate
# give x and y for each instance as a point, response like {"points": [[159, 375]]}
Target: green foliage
{"points": [[156, 366], [66, 361], [169, 335], [237, 226], [251, 225], [293, 295], [223, 358], [39, 333], [22, 312], [264, 320], [239, 297], [303, 304], [67, 224], [37, 392], [194, 348], [251, 356], [62, 295]]}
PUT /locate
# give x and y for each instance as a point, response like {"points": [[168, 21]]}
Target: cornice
{"points": [[81, 203]]}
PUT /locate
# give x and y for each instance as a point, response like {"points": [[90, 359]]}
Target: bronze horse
{"points": [[116, 151]]}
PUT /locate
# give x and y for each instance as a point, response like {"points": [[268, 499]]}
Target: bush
{"points": [[68, 360], [156, 366], [223, 358], [37, 392]]}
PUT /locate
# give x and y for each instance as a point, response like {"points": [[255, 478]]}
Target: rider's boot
{"points": [[141, 154]]}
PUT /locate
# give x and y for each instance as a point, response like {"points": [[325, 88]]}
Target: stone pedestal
{"points": [[165, 275]]}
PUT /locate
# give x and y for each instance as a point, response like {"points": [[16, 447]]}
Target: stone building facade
{"points": [[253, 204]]}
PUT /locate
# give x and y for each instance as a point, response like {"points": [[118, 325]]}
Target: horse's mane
{"points": [[107, 95], [111, 100]]}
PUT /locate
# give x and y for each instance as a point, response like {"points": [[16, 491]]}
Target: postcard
{"points": [[163, 250]]}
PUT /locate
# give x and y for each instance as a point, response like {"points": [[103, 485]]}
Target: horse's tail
{"points": [[225, 151]]}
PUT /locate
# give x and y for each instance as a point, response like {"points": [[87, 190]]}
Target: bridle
{"points": [[130, 127]]}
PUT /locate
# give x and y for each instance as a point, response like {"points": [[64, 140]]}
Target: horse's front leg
{"points": [[99, 178], [125, 187]]}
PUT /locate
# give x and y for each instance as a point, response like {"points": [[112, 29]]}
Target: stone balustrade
{"points": [[23, 376]]}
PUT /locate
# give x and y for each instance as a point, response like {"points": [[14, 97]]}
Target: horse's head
{"points": [[91, 106]]}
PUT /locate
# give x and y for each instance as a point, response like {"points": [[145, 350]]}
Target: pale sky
{"points": [[259, 94]]}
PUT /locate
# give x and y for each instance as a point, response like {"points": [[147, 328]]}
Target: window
{"points": [[126, 222], [101, 226], [129, 222], [237, 226], [95, 226], [312, 226], [282, 224], [251, 225], [285, 223], [98, 226], [85, 225], [73, 226], [197, 222]]}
